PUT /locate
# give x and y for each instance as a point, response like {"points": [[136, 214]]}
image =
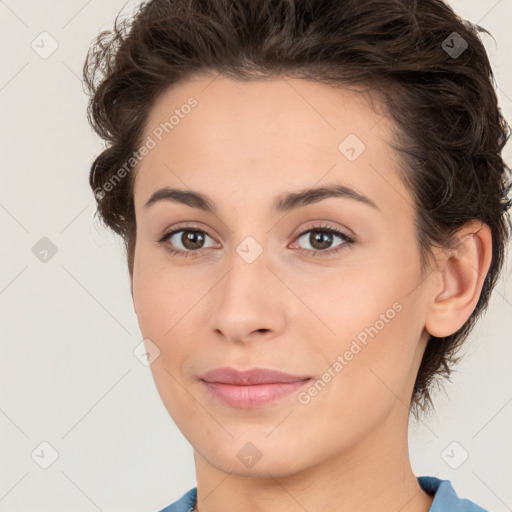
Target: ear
{"points": [[461, 272]]}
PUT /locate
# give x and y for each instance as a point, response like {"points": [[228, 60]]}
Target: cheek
{"points": [[160, 298], [162, 302], [363, 379], [167, 313], [371, 322], [348, 301]]}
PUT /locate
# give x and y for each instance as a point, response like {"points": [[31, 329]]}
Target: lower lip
{"points": [[248, 397]]}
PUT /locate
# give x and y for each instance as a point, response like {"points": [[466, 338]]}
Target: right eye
{"points": [[191, 240]]}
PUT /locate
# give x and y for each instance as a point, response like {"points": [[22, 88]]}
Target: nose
{"points": [[249, 302]]}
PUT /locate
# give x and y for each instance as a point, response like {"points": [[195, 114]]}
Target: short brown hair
{"points": [[427, 65]]}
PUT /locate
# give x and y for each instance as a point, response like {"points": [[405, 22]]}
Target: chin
{"points": [[256, 460]]}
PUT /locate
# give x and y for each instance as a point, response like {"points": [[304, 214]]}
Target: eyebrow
{"points": [[283, 203]]}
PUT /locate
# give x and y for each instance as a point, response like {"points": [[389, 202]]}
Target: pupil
{"points": [[192, 236], [318, 237]]}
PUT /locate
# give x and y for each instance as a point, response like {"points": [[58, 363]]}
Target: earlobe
{"points": [[462, 275]]}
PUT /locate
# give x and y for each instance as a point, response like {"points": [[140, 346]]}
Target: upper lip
{"points": [[249, 377]]}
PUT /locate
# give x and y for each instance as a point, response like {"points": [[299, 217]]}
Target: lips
{"points": [[250, 377], [250, 389]]}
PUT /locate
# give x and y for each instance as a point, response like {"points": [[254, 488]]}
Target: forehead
{"points": [[263, 135]]}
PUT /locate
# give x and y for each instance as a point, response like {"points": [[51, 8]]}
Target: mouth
{"points": [[253, 388]]}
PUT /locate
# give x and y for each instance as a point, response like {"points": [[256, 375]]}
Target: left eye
{"points": [[321, 238]]}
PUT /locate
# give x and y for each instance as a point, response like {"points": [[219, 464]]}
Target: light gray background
{"points": [[68, 375]]}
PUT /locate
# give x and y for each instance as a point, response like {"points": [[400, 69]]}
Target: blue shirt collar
{"points": [[445, 497]]}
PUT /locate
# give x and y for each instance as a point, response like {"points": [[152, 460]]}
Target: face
{"points": [[326, 286]]}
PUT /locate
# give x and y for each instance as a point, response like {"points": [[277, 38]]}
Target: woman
{"points": [[314, 207]]}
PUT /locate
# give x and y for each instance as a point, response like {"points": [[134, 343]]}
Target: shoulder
{"points": [[445, 497], [184, 504]]}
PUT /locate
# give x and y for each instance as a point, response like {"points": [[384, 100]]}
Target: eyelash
{"points": [[325, 228]]}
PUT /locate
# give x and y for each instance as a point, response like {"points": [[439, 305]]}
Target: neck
{"points": [[375, 474]]}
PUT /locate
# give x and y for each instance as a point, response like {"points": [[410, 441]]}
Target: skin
{"points": [[243, 145]]}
